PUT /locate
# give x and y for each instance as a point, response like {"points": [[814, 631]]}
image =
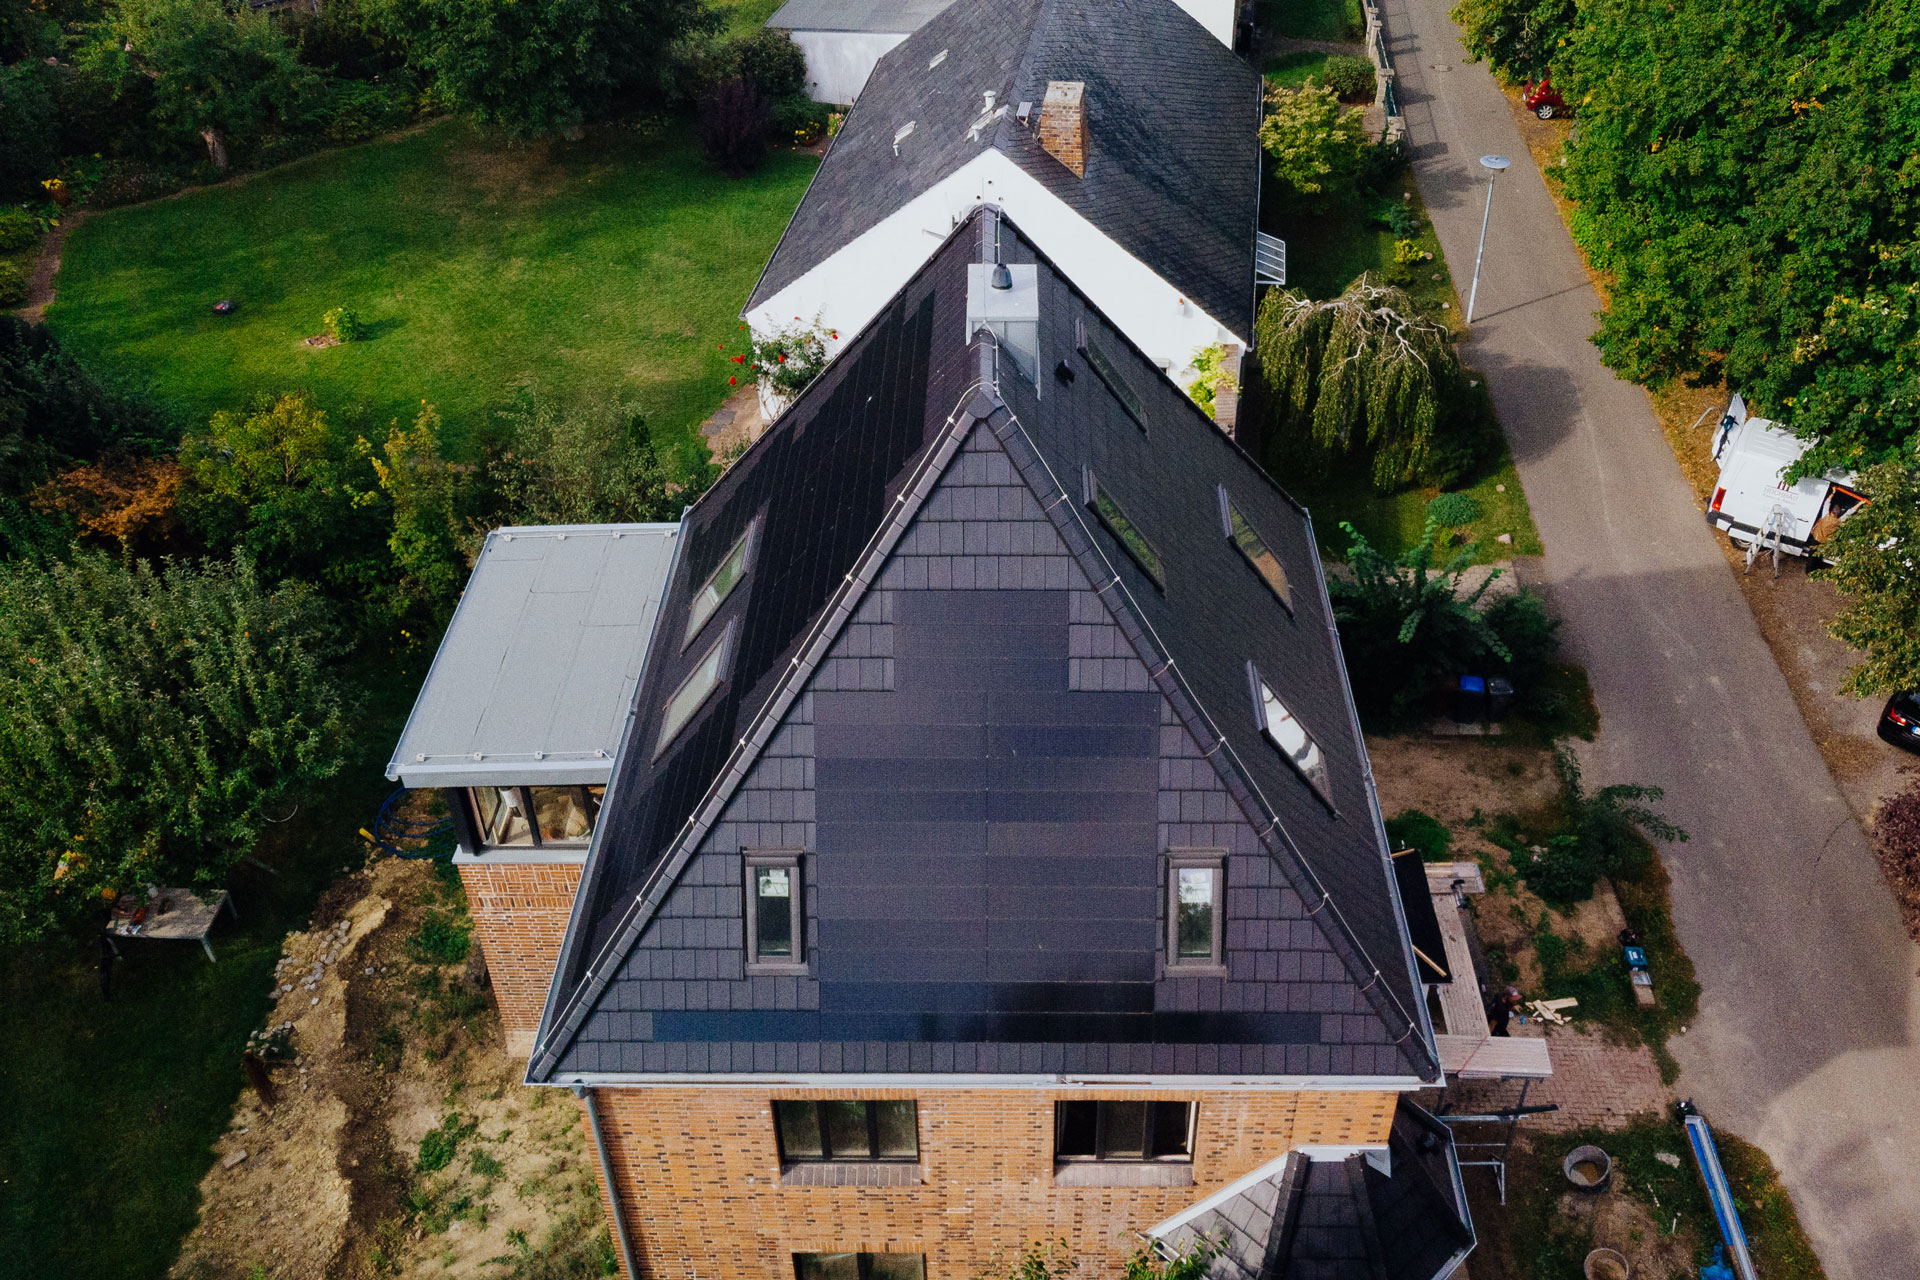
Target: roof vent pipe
{"points": [[991, 97]]}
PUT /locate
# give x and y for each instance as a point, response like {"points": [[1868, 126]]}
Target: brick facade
{"points": [[699, 1174], [520, 913]]}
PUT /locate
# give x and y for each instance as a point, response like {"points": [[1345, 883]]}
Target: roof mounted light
{"points": [[1002, 276]]}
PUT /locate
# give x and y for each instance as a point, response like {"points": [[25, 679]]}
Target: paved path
{"points": [[1805, 1039]]}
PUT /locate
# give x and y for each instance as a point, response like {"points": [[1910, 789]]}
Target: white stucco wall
{"points": [[1215, 15], [849, 288], [839, 62]]}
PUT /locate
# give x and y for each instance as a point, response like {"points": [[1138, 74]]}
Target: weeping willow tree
{"points": [[1362, 373]]}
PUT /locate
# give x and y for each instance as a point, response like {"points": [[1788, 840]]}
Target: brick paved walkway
{"points": [[1594, 1082]]}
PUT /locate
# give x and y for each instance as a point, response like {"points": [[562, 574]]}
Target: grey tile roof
{"points": [[534, 676], [894, 16], [984, 742], [1172, 171], [1337, 1220]]}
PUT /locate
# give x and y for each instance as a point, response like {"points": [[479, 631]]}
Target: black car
{"points": [[1900, 722]]}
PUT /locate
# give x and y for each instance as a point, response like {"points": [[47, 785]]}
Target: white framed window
{"points": [[1290, 737], [776, 921], [1196, 909]]}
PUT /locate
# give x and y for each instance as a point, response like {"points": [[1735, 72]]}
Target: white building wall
{"points": [[839, 62], [849, 288], [1215, 15]]}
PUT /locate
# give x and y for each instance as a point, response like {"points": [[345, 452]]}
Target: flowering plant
{"points": [[788, 359]]}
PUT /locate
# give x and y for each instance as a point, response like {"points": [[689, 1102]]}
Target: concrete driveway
{"points": [[1805, 1039]]}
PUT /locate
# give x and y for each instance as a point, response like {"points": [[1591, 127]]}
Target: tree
{"points": [[216, 73], [541, 66], [734, 124], [148, 718], [55, 415], [591, 462], [1318, 146], [1604, 832], [279, 482], [1362, 372], [1518, 38], [1873, 554], [1743, 175], [428, 497], [1405, 627]]}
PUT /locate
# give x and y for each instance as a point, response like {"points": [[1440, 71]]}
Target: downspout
{"points": [[587, 1097]]}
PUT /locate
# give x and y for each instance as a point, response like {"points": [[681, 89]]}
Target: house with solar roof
{"points": [[989, 853], [1120, 134]]}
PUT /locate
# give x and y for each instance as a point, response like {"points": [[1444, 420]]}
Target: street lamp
{"points": [[1493, 165]]}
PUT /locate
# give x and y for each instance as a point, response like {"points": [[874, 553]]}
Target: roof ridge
{"points": [[1163, 671], [976, 403]]}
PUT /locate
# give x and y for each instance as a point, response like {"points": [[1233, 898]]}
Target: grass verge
{"points": [[612, 265]]}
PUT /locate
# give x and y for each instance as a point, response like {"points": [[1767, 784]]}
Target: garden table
{"points": [[172, 914]]}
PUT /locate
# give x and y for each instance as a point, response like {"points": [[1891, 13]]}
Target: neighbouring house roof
{"points": [[536, 672], [649, 979], [1352, 1219], [1172, 170], [886, 16]]}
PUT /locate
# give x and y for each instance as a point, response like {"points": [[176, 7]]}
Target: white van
{"points": [[1754, 504]]}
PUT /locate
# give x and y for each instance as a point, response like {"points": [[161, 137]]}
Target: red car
{"points": [[1543, 99]]}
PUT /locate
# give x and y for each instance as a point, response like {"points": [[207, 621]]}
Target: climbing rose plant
{"points": [[788, 359]]}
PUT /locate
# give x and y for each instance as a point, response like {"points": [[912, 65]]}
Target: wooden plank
{"points": [[1441, 875], [1495, 1057], [1460, 1005]]}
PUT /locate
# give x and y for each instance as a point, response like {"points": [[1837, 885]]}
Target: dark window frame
{"points": [[829, 1155], [1110, 376], [752, 861], [1102, 1125], [725, 647], [1214, 860], [1123, 529], [750, 541], [1282, 590], [863, 1262], [585, 798]]}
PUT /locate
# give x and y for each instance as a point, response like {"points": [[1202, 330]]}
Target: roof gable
{"points": [[1173, 161], [1247, 788]]}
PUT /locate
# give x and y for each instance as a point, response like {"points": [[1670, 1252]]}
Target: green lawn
{"points": [[1394, 522], [616, 264], [1291, 70], [108, 1109], [744, 15], [1314, 19]]}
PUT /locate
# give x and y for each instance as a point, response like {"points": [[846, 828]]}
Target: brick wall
{"points": [[1063, 124], [520, 915], [700, 1177]]}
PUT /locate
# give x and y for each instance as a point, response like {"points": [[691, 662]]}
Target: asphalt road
{"points": [[1805, 1039]]}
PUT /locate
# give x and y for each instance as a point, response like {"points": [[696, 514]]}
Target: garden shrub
{"points": [[1896, 839], [1452, 510], [1421, 832], [1381, 162], [1210, 375], [1532, 638], [359, 109], [344, 324], [1406, 256], [800, 120], [1317, 145], [771, 62], [442, 938], [18, 229], [16, 279], [1397, 216], [1350, 78], [1561, 873], [789, 359], [734, 123]]}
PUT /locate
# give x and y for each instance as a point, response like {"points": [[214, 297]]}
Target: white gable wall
{"points": [[849, 288], [839, 62], [1215, 15]]}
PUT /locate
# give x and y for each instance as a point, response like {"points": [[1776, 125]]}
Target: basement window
{"points": [[859, 1266], [1124, 531], [1284, 730], [1104, 369], [695, 690], [776, 923], [720, 584], [846, 1129], [1131, 1132], [1255, 550]]}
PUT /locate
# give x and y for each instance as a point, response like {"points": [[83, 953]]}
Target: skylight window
{"points": [[1125, 532], [1241, 534], [1284, 730], [694, 690], [714, 592], [1104, 369]]}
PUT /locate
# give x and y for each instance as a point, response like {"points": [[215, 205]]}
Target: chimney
{"points": [[1063, 124]]}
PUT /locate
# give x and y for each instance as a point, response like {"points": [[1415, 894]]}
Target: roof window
{"points": [[1284, 730], [695, 690], [719, 585], [1249, 544], [1104, 369], [1125, 532]]}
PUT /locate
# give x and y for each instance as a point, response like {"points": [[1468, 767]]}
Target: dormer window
{"points": [[1255, 550], [1124, 531], [1284, 730], [695, 690], [720, 584]]}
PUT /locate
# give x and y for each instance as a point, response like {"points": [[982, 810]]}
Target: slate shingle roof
{"points": [[1172, 171], [985, 727], [1339, 1220]]}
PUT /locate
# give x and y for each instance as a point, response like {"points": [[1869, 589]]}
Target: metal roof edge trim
{"points": [[505, 773], [1166, 676], [978, 1080], [826, 629]]}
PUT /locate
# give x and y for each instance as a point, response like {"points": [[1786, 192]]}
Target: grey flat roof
{"points": [[900, 16], [537, 670]]}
